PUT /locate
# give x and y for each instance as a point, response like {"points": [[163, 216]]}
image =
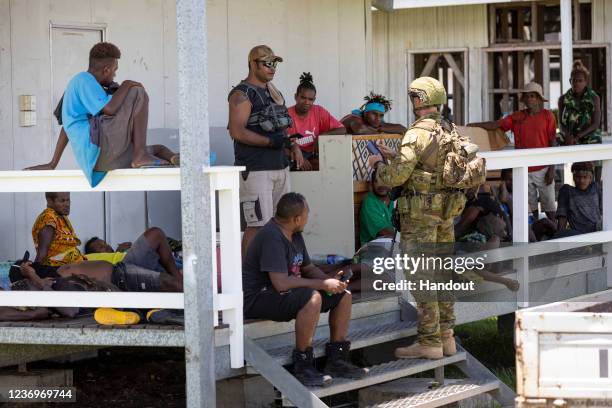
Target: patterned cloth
{"points": [[64, 248], [577, 115], [473, 237]]}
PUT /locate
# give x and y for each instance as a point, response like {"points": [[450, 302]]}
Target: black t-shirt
{"points": [[258, 158], [271, 251], [582, 208]]}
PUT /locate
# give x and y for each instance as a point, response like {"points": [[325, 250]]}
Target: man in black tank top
{"points": [[258, 120]]}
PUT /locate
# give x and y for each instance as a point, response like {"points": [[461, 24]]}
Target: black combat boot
{"points": [[305, 371], [338, 361]]}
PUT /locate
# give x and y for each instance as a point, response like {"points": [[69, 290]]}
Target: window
{"points": [[449, 67], [525, 46], [536, 21]]}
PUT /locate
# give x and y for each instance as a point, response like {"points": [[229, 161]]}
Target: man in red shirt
{"points": [[310, 121], [533, 127]]}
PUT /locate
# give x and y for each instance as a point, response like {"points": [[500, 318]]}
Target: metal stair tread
{"points": [[445, 394], [385, 372], [359, 339]]}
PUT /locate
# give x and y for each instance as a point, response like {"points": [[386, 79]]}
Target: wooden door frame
{"points": [[411, 75]]}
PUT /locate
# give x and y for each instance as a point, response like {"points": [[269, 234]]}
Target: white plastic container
{"points": [[562, 353]]}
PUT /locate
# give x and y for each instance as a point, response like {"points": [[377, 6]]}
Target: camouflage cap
{"points": [[263, 53], [429, 90]]}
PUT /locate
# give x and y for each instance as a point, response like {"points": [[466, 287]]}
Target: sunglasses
{"points": [[268, 64]]}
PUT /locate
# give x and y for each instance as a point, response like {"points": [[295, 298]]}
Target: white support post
{"points": [[213, 240], [191, 38], [568, 178], [566, 44], [520, 207], [520, 230], [607, 215], [231, 261]]}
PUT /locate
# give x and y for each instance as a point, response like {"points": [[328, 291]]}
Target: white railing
{"points": [[223, 180], [519, 161]]}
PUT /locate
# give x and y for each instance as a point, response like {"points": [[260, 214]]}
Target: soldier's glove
{"points": [[277, 141]]}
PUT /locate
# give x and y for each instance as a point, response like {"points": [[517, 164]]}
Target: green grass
{"points": [[492, 348]]}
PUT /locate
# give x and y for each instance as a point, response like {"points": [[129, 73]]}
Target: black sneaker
{"points": [[305, 371], [338, 361], [166, 316]]}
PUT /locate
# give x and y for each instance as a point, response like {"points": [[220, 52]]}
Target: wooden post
{"points": [[505, 83], [492, 25], [566, 44]]}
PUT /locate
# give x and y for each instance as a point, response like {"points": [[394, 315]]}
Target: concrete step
{"points": [[360, 338], [419, 392], [385, 372]]}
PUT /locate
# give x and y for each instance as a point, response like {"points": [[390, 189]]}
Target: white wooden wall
{"points": [[325, 37], [601, 10], [140, 29], [395, 33]]}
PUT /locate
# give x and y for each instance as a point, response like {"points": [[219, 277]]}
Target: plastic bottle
{"points": [[331, 259]]}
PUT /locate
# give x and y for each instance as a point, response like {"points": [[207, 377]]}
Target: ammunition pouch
{"points": [[272, 118], [444, 205], [421, 181], [461, 172], [454, 205]]}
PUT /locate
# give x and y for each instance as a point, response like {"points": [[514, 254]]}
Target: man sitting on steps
{"points": [[281, 284]]}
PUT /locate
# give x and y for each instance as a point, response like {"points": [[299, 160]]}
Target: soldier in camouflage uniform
{"points": [[427, 208]]}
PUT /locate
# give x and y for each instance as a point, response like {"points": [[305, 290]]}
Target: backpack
{"points": [[458, 165]]}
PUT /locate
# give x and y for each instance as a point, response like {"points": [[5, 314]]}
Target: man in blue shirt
{"points": [[106, 131]]}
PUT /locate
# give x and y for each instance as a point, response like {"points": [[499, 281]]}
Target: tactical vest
{"points": [[265, 114], [257, 158]]}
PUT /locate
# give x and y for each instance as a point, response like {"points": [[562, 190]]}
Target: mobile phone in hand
{"points": [[374, 150], [347, 275]]}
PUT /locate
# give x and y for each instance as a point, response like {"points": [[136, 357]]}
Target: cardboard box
{"points": [[487, 140]]}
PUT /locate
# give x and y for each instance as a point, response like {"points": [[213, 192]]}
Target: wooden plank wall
{"points": [[325, 38], [400, 31]]}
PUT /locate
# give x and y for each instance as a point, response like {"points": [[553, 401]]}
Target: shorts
{"points": [[537, 187], [115, 132], [142, 254], [133, 278], [283, 307], [260, 193]]}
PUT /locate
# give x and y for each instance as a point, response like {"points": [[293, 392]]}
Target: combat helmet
{"points": [[429, 90]]}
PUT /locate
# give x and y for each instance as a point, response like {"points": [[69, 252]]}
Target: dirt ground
{"points": [[127, 378]]}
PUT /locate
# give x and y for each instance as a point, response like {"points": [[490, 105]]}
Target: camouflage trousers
{"points": [[429, 235]]}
